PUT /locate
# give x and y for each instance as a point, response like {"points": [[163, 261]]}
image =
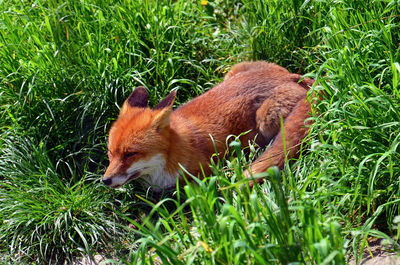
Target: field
{"points": [[67, 66]]}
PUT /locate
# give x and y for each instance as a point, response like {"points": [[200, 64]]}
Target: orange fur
{"points": [[253, 97]]}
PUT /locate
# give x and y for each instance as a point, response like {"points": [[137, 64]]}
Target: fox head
{"points": [[138, 141]]}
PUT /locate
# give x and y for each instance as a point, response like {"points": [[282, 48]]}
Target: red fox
{"points": [[151, 144]]}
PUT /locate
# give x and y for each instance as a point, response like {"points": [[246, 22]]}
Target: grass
{"points": [[67, 66], [232, 224]]}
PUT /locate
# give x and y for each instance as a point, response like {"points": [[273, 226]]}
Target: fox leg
{"points": [[295, 131], [278, 105]]}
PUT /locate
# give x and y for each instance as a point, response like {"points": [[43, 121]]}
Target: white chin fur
{"points": [[153, 172]]}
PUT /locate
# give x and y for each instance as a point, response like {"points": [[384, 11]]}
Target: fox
{"points": [[151, 144]]}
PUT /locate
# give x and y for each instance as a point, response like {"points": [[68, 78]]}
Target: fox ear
{"points": [[167, 101], [161, 120], [138, 99]]}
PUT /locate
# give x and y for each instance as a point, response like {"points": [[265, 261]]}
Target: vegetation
{"points": [[67, 66]]}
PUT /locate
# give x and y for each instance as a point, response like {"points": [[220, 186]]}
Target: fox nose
{"points": [[107, 181]]}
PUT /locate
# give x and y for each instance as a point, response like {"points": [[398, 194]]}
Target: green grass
{"points": [[67, 66]]}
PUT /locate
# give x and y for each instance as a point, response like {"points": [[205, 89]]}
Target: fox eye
{"points": [[130, 154]]}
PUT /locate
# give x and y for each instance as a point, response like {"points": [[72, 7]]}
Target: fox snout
{"points": [[108, 181], [116, 176], [119, 173], [117, 181]]}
